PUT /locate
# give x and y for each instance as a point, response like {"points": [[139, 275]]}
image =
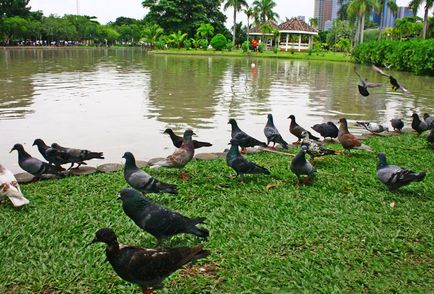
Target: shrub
{"points": [[261, 47], [245, 46], [218, 42], [229, 46], [160, 44], [187, 44], [276, 49], [204, 44]]}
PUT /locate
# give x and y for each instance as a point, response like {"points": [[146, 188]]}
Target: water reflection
{"points": [[122, 99]]}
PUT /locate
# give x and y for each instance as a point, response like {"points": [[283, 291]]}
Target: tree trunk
{"points": [[362, 28], [425, 22], [381, 25], [356, 38], [235, 24]]}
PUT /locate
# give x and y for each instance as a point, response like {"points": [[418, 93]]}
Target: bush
{"points": [[415, 56], [218, 42], [245, 46], [229, 46], [204, 44], [187, 44], [276, 49], [261, 47], [160, 44]]}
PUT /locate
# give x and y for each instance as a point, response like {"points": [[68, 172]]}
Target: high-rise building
{"points": [[404, 12], [325, 11]]}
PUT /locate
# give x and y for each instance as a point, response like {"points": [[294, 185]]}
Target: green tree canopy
{"points": [[10, 8]]}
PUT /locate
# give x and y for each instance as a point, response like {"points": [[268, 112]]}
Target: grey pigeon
{"points": [[397, 124], [429, 119], [300, 166], [77, 156], [326, 130], [158, 220], [240, 164], [363, 88], [242, 138], [296, 129], [177, 140], [394, 176], [10, 188], [145, 267], [372, 127], [314, 149], [140, 180], [273, 134], [33, 165], [418, 125], [52, 155]]}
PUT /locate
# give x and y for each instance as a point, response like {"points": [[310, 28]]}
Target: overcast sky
{"points": [[109, 10]]}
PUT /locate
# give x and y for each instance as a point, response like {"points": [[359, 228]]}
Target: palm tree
{"points": [[264, 10], [205, 30], [359, 8], [177, 38], [414, 5], [393, 7], [249, 12], [151, 33], [237, 5]]}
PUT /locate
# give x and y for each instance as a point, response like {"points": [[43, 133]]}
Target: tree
{"points": [[14, 27], [339, 30], [176, 39], [414, 5], [106, 34], [11, 8], [249, 12], [151, 33], [205, 30], [237, 5], [313, 22], [407, 28], [393, 7], [359, 9], [264, 11]]}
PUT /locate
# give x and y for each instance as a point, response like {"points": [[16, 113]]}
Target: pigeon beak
{"points": [[12, 150], [194, 134]]}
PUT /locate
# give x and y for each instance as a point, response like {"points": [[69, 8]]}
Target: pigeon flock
{"points": [[149, 267]]}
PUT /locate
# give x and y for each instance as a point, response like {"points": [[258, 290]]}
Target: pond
{"points": [[117, 100]]}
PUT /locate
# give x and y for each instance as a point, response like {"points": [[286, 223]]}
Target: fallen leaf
{"points": [[393, 204], [271, 186]]}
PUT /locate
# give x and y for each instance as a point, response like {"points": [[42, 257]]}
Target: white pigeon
{"points": [[9, 187]]}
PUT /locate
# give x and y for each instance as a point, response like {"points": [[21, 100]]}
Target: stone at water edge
{"points": [[141, 163], [206, 156], [155, 160], [109, 167], [24, 178], [83, 171]]}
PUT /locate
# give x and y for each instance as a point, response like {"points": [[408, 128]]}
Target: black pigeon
{"points": [[397, 124], [52, 155], [242, 138], [145, 267], [327, 130], [418, 125], [177, 140], [363, 88], [429, 119], [394, 176], [300, 166], [78, 156], [157, 220], [33, 165], [296, 130], [140, 180], [273, 134], [395, 84], [240, 164]]}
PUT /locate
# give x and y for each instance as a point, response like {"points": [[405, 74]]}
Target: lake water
{"points": [[117, 100]]}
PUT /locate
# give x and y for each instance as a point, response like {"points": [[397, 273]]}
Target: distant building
{"points": [[326, 11], [388, 17], [302, 17], [404, 12]]}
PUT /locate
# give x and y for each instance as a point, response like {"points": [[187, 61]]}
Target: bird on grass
{"points": [[240, 164], [397, 124], [418, 125], [314, 149], [296, 130], [177, 140], [158, 220], [394, 82], [363, 88], [181, 156], [77, 156], [273, 134], [372, 127], [348, 140], [394, 176], [429, 119], [430, 137], [145, 267], [52, 155], [140, 180], [10, 188], [242, 138], [300, 166], [326, 130], [33, 165]]}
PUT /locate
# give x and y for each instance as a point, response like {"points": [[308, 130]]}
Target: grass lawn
{"points": [[328, 56], [340, 234]]}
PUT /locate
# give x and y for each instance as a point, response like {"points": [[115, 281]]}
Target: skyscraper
{"points": [[325, 11]]}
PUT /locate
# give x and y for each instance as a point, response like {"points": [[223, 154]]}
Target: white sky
{"points": [[109, 10]]}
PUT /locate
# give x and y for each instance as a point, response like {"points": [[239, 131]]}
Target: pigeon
{"points": [[300, 166], [181, 156], [314, 149], [395, 84], [394, 176], [348, 140], [177, 140], [372, 127], [296, 130], [430, 137], [273, 134], [240, 164], [145, 267], [363, 88], [140, 180], [78, 156], [9, 187], [326, 130], [157, 220], [397, 124], [242, 138], [418, 125], [52, 155], [429, 119], [33, 165]]}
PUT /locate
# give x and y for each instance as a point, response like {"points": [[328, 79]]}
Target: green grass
{"points": [[338, 234], [327, 56]]}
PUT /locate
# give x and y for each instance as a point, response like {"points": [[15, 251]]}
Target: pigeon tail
{"points": [[200, 232], [167, 188], [162, 163], [91, 155], [260, 170], [17, 198], [199, 144]]}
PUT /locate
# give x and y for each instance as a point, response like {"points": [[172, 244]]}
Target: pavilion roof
{"points": [[296, 24], [257, 29]]}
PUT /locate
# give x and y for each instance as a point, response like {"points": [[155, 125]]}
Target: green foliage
{"points": [[276, 49], [205, 30], [151, 33], [11, 8], [204, 44], [175, 39], [415, 56], [371, 34], [344, 45], [407, 28], [229, 46], [187, 44], [14, 27], [218, 42], [261, 47], [340, 29], [195, 43], [160, 44], [245, 46]]}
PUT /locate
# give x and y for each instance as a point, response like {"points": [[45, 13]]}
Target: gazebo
{"points": [[296, 26], [264, 37]]}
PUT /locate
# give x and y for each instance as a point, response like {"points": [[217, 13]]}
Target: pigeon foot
{"points": [[149, 291], [184, 176]]}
